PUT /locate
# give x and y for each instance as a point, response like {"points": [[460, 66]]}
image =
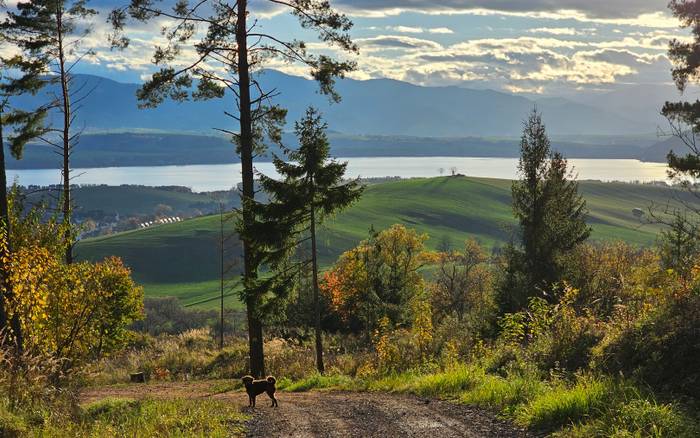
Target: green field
{"points": [[182, 259]]}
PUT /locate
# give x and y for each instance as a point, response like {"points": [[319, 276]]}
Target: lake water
{"points": [[205, 178]]}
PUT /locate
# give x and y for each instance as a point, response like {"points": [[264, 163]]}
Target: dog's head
{"points": [[247, 380]]}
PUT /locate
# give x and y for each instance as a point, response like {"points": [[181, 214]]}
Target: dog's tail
{"points": [[271, 380]]}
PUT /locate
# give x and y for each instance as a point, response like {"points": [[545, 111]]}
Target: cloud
{"points": [[397, 42], [410, 29], [570, 31], [591, 8]]}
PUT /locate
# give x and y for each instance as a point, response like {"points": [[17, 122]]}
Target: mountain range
{"points": [[371, 107]]}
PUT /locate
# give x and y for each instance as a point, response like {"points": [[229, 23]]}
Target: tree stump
{"points": [[137, 377]]}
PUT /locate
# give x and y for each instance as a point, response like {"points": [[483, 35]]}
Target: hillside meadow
{"points": [[183, 259]]}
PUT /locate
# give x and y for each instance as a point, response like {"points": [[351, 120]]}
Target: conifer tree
{"points": [[17, 127], [552, 218], [50, 32], [230, 48], [310, 190]]}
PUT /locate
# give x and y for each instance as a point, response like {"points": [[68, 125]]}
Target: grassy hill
{"points": [[182, 259]]}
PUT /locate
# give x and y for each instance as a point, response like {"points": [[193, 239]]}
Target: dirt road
{"points": [[335, 414]]}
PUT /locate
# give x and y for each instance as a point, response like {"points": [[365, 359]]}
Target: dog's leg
{"points": [[272, 397]]}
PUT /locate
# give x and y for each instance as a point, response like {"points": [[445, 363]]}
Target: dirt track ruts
{"points": [[336, 414]]}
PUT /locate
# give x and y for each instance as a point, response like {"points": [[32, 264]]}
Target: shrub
{"points": [[662, 348], [167, 316]]}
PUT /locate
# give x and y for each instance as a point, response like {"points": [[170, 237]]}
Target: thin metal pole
{"points": [[221, 321]]}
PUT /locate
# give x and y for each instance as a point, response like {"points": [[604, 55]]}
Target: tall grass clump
{"points": [[450, 382], [503, 394], [562, 404], [123, 417], [319, 381], [638, 418]]}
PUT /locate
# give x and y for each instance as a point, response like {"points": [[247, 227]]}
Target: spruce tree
{"points": [[310, 190], [551, 215], [50, 32], [17, 127], [230, 48]]}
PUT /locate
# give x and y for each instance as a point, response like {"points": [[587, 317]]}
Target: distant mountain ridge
{"points": [[159, 149], [374, 107]]}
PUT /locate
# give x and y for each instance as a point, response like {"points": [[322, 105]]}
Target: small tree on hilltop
{"points": [[310, 191], [552, 218]]}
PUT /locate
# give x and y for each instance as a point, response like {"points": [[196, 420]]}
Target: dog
{"points": [[256, 387]]}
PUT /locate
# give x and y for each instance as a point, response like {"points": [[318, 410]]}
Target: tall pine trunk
{"points": [[6, 292], [317, 301], [65, 97], [255, 334]]}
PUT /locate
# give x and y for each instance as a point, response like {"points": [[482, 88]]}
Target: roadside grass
{"points": [[563, 404], [130, 418], [581, 406], [318, 381]]}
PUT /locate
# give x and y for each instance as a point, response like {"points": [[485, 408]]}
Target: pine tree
{"points": [[552, 218], [17, 126], [233, 47], [49, 33], [311, 189]]}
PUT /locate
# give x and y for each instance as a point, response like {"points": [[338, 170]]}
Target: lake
{"points": [[206, 178]]}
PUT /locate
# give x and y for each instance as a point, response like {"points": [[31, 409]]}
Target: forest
{"points": [[562, 317]]}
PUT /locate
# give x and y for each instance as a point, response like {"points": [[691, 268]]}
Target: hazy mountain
{"points": [[373, 107], [641, 103], [660, 150]]}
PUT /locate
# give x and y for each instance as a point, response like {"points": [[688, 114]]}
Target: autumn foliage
{"points": [[378, 278], [70, 312]]}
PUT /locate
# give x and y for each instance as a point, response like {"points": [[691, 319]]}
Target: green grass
{"points": [[587, 406], [318, 381], [182, 259], [117, 417], [204, 295], [562, 405]]}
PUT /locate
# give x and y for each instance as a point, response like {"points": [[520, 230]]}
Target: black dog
{"points": [[256, 387]]}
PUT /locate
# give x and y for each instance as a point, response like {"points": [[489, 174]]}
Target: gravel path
{"points": [[335, 414], [346, 414]]}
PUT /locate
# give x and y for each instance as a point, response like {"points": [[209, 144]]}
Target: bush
{"points": [[167, 316], [662, 348]]}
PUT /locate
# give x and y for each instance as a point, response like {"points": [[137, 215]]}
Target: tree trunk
{"points": [[255, 336], [317, 301], [6, 292], [65, 97]]}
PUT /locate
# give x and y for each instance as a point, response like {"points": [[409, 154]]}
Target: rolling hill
{"points": [[183, 259]]}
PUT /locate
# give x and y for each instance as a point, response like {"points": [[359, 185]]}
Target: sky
{"points": [[532, 47]]}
